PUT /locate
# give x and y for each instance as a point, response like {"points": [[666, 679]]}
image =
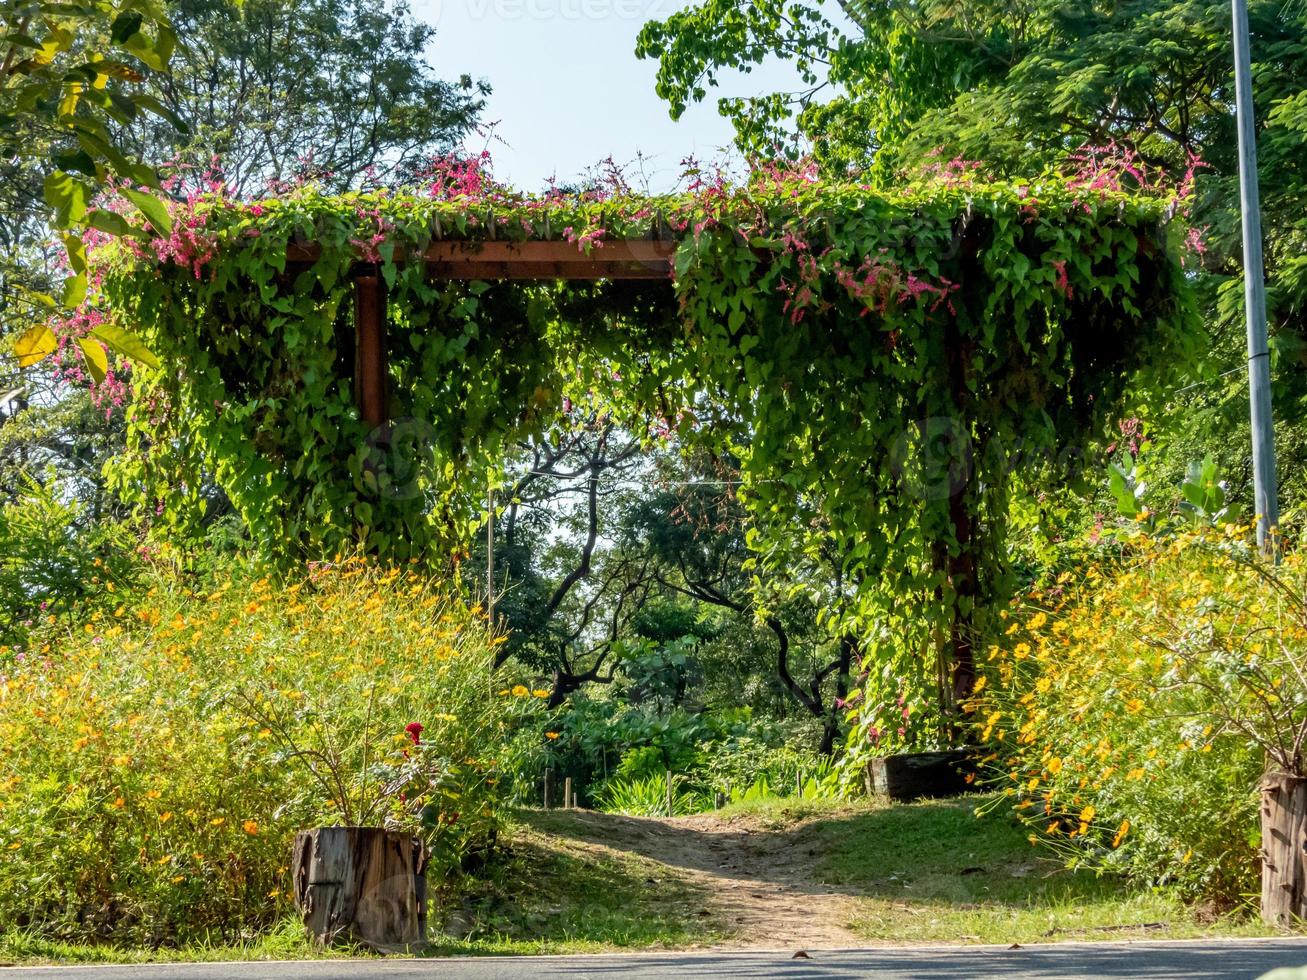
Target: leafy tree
{"points": [[69, 75], [693, 533], [274, 90], [906, 86]]}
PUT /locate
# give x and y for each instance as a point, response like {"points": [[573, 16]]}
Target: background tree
{"points": [[903, 87], [339, 90]]}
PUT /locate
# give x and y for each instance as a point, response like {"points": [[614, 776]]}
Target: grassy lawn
{"points": [[554, 894], [933, 872], [927, 872]]}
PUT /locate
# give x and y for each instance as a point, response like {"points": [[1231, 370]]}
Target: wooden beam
{"points": [[370, 347], [533, 260]]}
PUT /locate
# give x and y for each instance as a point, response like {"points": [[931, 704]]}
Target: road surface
{"points": [[1214, 959]]}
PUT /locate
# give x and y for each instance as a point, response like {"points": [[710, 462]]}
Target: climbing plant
{"points": [[893, 365]]}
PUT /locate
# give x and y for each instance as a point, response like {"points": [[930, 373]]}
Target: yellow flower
{"points": [[251, 827], [165, 816], [217, 821], [1054, 766], [551, 735], [520, 691], [544, 694], [1120, 833]]}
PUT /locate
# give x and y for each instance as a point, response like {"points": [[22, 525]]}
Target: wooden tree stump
{"points": [[361, 884], [1284, 849]]}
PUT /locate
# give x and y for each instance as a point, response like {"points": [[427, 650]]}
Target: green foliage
{"points": [[67, 82], [646, 796], [1018, 315], [274, 90], [913, 88], [156, 760], [55, 563]]}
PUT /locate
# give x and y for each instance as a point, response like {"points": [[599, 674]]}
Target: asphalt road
{"points": [[1218, 960]]}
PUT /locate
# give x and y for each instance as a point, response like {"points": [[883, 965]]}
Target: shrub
{"points": [[54, 558], [647, 797], [1132, 711], [156, 762]]}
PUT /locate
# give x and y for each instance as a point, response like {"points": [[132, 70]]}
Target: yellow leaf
{"points": [[97, 361], [35, 345]]}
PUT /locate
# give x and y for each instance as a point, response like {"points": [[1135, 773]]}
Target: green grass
{"points": [[929, 872], [285, 942], [555, 895], [934, 872]]}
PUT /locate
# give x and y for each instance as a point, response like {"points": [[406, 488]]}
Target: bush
{"points": [[157, 761], [54, 559], [1132, 711], [647, 797]]}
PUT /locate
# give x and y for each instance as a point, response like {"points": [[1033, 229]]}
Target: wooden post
{"points": [[549, 785], [361, 884], [370, 347], [798, 783], [1284, 840], [567, 792], [671, 809], [719, 800]]}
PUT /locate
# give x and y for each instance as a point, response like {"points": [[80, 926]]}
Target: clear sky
{"points": [[568, 90]]}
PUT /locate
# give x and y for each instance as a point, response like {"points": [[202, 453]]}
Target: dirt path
{"points": [[761, 882]]}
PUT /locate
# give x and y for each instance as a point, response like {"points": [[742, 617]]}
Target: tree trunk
{"points": [[361, 884], [1284, 848]]}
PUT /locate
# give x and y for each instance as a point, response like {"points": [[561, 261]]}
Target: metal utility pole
{"points": [[1259, 357], [490, 557]]}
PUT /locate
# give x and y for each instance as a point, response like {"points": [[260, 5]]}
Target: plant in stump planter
{"points": [[363, 880]]}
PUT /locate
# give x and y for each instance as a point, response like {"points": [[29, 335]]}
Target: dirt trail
{"points": [[761, 882]]}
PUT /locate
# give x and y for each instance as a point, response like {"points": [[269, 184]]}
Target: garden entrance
{"points": [[887, 367]]}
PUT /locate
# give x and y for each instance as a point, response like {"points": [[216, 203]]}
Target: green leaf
{"points": [[78, 160], [126, 343], [112, 223], [125, 25], [96, 360], [154, 210], [35, 345], [74, 291], [67, 196]]}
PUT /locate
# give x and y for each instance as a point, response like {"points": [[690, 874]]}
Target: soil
{"points": [[763, 880]]}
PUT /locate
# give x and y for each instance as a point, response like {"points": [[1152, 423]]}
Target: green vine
{"points": [[887, 366]]}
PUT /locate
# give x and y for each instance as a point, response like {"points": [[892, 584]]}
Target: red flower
{"points": [[414, 729]]}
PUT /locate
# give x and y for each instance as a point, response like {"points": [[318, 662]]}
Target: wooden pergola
{"points": [[622, 259]]}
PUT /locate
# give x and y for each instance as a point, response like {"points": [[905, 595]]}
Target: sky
{"points": [[568, 90]]}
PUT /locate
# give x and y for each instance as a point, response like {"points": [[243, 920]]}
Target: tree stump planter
{"points": [[922, 774], [363, 885], [1284, 849]]}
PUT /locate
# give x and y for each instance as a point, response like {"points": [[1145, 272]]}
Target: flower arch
{"points": [[890, 364]]}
